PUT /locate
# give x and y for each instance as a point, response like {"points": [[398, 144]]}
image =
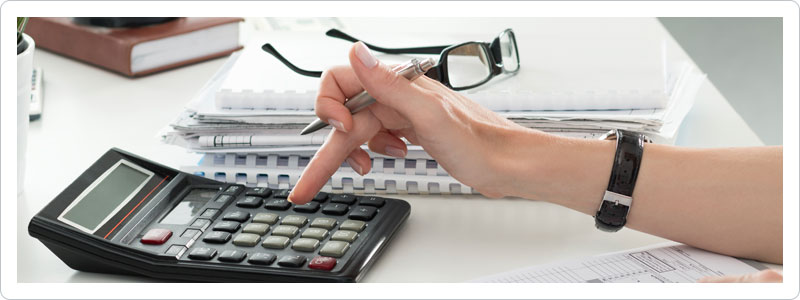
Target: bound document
{"points": [[142, 50]]}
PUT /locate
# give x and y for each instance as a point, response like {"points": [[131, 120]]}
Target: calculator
{"points": [[128, 215]]}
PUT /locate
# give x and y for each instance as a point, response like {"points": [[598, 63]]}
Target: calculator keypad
{"points": [[260, 227]]}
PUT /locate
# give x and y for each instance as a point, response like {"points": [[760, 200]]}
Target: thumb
{"points": [[382, 83]]}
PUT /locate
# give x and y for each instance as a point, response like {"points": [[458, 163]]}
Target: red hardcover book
{"points": [[138, 50]]}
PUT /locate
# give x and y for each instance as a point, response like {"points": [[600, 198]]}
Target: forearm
{"points": [[724, 200]]}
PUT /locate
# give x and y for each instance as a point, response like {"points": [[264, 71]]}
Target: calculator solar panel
{"points": [[128, 215]]}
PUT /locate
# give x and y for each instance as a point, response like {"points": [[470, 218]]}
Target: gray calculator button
{"points": [[191, 233], [223, 198], [238, 216], [305, 244], [217, 237], [229, 226], [201, 223], [315, 233], [327, 223], [353, 225], [275, 242], [256, 228], [293, 261], [175, 250], [285, 230], [246, 239], [261, 258], [334, 248], [210, 213], [363, 213], [202, 253], [268, 218], [294, 220], [344, 235], [232, 256]]}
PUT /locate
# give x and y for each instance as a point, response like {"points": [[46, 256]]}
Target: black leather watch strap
{"points": [[613, 211]]}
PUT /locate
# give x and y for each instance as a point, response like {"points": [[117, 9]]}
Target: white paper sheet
{"points": [[673, 263]]}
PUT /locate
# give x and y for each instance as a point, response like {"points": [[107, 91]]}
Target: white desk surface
{"points": [[446, 239]]}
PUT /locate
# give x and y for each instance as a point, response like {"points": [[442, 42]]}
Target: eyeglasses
{"points": [[461, 66]]}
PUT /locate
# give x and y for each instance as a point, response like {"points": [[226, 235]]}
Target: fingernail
{"points": [[366, 57], [352, 162], [336, 124], [290, 197], [394, 151]]}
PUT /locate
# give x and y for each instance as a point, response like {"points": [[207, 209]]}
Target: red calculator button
{"points": [[322, 263], [156, 236]]}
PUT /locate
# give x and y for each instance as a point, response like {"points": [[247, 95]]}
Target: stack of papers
{"points": [[249, 128]]}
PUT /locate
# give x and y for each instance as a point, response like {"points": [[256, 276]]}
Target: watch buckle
{"points": [[617, 199]]}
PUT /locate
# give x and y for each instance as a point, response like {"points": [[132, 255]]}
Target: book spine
{"points": [[68, 39]]}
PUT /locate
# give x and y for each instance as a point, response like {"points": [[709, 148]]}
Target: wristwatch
{"points": [[613, 211]]}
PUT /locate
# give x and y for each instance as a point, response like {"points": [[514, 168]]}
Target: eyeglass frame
{"points": [[437, 72]]}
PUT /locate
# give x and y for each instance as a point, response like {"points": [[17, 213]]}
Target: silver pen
{"points": [[411, 70]]}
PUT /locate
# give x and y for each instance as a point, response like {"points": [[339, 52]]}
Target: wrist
{"points": [[566, 171]]}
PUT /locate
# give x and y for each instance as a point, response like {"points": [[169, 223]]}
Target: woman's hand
{"points": [[762, 276], [462, 136]]}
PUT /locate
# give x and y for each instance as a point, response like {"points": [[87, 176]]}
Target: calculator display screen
{"points": [[189, 206], [106, 196]]}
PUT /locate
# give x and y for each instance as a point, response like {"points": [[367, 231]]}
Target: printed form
{"points": [[672, 264]]}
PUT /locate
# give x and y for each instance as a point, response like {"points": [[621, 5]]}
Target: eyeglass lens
{"points": [[467, 65], [508, 51]]}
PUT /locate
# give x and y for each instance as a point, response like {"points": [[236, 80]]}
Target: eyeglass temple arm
{"points": [[271, 50], [413, 50]]}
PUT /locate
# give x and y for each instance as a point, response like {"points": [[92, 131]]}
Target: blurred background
{"points": [[742, 57]]}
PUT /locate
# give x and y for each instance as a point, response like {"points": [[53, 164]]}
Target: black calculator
{"points": [[129, 215]]}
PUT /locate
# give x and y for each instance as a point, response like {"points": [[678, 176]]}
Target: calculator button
{"points": [[191, 233], [321, 197], [210, 213], [261, 258], [327, 223], [234, 189], [238, 216], [201, 223], [336, 209], [232, 256], [310, 207], [229, 226], [344, 235], [322, 263], [175, 250], [250, 202], [283, 194], [278, 204], [246, 239], [294, 220], [275, 242], [156, 236], [343, 198], [305, 245], [285, 230], [334, 248], [371, 201], [259, 191], [315, 233], [268, 218], [223, 198], [202, 253], [256, 228], [293, 261], [363, 213], [217, 237], [353, 225]]}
